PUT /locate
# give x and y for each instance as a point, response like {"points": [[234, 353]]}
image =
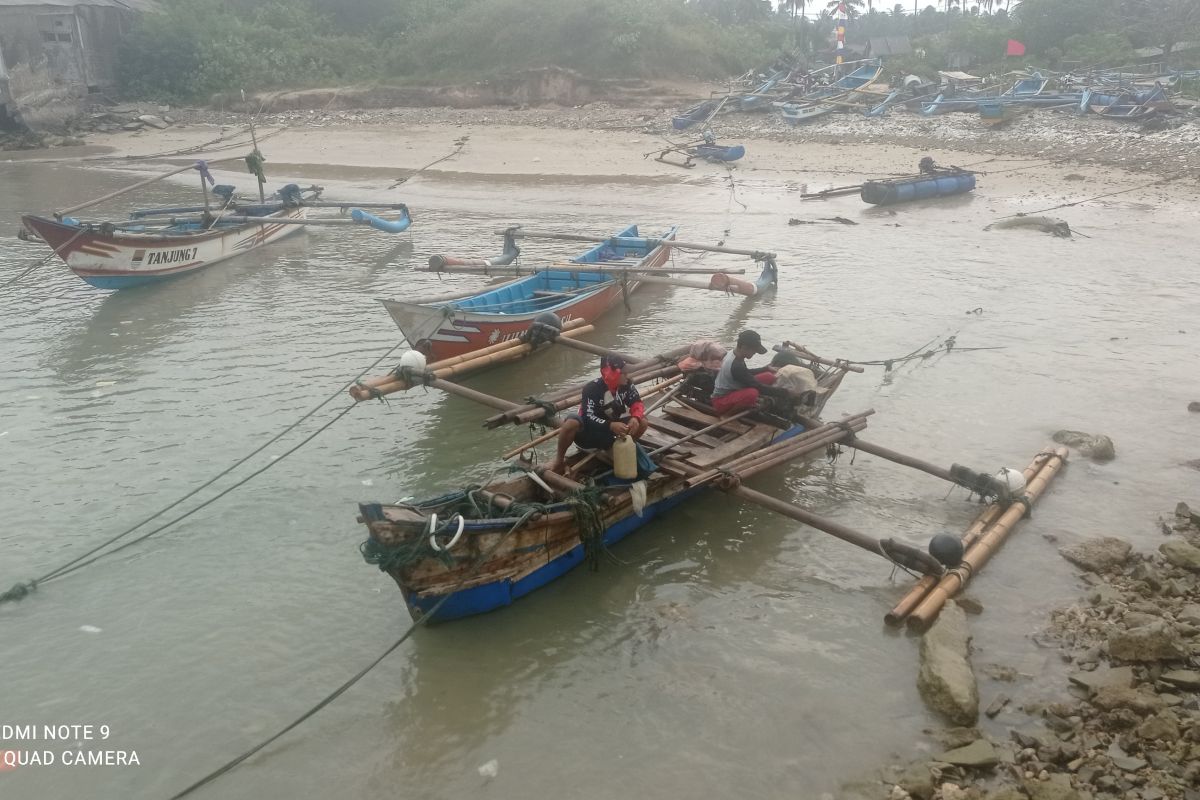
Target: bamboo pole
{"points": [[597, 350], [978, 555], [575, 237], [134, 187], [903, 460], [500, 353], [633, 271], [978, 526], [450, 387], [811, 356]]}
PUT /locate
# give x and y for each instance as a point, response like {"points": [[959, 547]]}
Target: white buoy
{"points": [[1011, 479], [414, 360]]}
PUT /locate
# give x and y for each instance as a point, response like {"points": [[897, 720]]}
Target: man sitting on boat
{"points": [[737, 386], [611, 407]]}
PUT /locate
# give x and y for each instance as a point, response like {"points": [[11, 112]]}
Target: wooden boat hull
{"points": [[540, 552], [924, 187], [461, 327], [123, 260], [712, 152]]}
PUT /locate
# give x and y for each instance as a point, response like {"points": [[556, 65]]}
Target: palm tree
{"points": [[852, 6]]}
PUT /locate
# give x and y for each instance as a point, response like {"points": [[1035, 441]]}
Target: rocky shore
{"points": [[1165, 145], [1126, 726]]}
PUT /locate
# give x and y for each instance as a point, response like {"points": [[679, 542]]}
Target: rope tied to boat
{"points": [[585, 506], [254, 163], [549, 409], [205, 175]]}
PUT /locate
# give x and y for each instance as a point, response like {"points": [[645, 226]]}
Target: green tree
{"points": [[1162, 23]]}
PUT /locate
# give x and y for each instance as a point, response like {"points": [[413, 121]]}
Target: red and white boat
{"points": [[118, 257], [446, 329]]}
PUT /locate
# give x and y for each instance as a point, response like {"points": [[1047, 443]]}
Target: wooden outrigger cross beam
{"points": [[521, 233]]}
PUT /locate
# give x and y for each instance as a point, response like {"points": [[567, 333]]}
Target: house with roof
{"points": [[65, 46]]}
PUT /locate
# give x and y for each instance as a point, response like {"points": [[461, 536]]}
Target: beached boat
{"points": [[995, 114], [479, 549], [918, 187], [799, 115], [582, 289]]}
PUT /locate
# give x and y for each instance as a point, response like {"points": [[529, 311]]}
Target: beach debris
{"points": [[946, 681], [490, 770], [1051, 225], [1194, 406], [89, 629], [1097, 447], [839, 220]]}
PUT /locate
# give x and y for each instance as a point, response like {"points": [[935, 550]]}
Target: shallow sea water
{"points": [[729, 652]]}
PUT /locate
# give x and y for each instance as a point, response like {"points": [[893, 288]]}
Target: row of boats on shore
{"points": [[800, 97]]}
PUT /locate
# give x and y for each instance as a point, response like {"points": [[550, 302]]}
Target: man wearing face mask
{"points": [[611, 407]]}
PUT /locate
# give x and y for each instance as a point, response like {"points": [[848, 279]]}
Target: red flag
{"points": [[1015, 48]]}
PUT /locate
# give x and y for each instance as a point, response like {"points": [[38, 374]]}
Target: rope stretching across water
{"points": [[22, 589]]}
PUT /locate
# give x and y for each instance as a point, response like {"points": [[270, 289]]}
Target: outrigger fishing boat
{"points": [[161, 243], [583, 288], [480, 548]]}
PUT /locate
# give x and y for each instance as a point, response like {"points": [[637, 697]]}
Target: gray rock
{"points": [[917, 781], [997, 705], [1181, 554], [1098, 555], [1105, 676], [951, 738], [1162, 726], [1136, 619], [1058, 787], [1095, 446], [1194, 405], [1157, 641], [1111, 698], [132, 126], [1188, 679], [945, 679], [1128, 763], [1105, 595], [153, 121], [1189, 614], [979, 753]]}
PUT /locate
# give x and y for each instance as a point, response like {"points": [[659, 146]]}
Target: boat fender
{"points": [[462, 524], [1013, 481], [411, 368]]}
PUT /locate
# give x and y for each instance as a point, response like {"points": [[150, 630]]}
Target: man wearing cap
{"points": [[611, 407], [737, 387]]}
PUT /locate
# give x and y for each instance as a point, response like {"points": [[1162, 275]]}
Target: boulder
{"points": [[1097, 679], [153, 121], [1098, 555], [1189, 614], [1162, 726], [1095, 446], [1111, 698], [1181, 554], [917, 780], [1186, 679], [1157, 641], [978, 753], [945, 680], [1058, 787]]}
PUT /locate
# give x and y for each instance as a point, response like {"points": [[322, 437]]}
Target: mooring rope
{"points": [[53, 252], [459, 145], [531, 512], [22, 589]]}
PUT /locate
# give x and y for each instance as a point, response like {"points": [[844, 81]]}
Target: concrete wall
{"points": [[73, 50]]}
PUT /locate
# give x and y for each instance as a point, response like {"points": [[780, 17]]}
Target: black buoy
{"points": [[947, 549], [544, 328]]}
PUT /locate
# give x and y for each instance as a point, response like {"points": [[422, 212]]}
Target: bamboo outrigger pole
{"points": [[632, 271], [977, 556], [757, 255], [111, 195]]}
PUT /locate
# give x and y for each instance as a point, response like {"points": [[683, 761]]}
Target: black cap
{"points": [[612, 362], [752, 340]]}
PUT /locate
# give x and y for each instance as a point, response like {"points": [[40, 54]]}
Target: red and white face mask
{"points": [[612, 377]]}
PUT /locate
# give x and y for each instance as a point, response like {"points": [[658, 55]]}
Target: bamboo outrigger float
{"points": [[482, 547]]}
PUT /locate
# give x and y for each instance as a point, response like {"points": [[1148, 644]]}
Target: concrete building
{"points": [[64, 47]]}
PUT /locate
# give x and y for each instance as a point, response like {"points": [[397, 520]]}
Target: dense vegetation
{"points": [[198, 47]]}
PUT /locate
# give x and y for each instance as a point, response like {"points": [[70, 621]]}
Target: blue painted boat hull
{"points": [[923, 187], [717, 153], [498, 594]]}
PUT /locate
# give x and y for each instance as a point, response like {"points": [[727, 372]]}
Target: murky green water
{"points": [[731, 653]]}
